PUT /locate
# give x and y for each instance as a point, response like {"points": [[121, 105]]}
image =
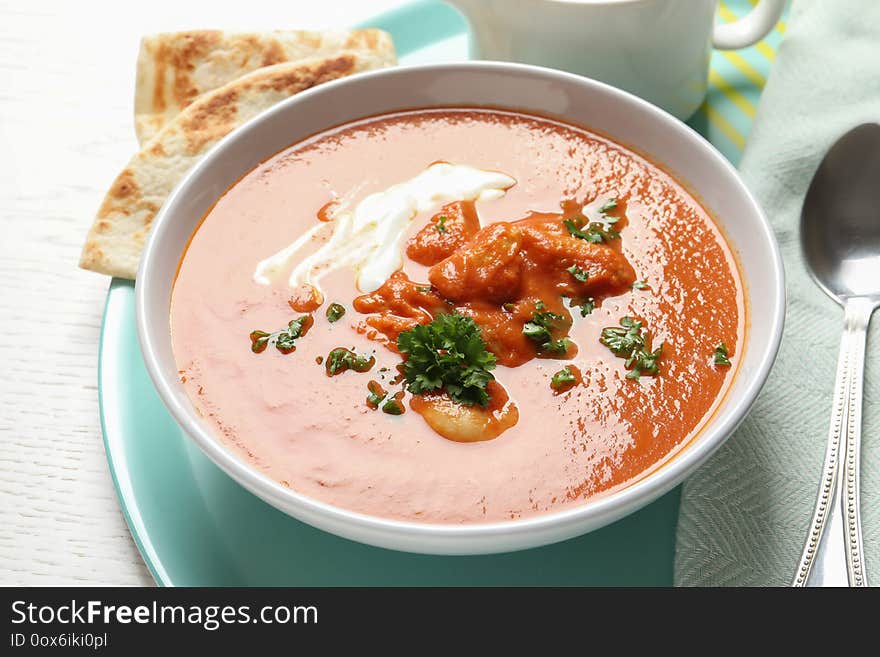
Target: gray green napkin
{"points": [[744, 515]]}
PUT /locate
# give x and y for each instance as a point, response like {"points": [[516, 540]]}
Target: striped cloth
{"points": [[736, 79]]}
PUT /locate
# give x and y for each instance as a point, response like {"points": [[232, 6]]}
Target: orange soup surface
{"points": [[457, 316]]}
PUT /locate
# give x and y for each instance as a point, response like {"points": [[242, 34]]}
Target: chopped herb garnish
{"points": [[639, 285], [586, 307], [558, 347], [340, 359], [575, 231], [644, 362], [630, 342], [335, 311], [509, 307], [393, 407], [563, 379], [376, 394], [623, 341], [259, 341], [284, 339], [441, 224], [448, 354], [595, 232], [608, 206], [399, 377], [722, 355], [424, 288], [606, 218], [538, 330], [578, 273]]}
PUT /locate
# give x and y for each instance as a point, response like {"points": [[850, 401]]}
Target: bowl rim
{"points": [[604, 508]]}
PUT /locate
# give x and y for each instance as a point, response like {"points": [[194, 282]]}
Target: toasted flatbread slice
{"points": [[113, 245], [175, 68]]}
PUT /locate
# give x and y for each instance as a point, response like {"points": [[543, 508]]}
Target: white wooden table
{"points": [[66, 89]]}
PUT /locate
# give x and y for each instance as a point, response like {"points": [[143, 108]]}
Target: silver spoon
{"points": [[840, 237]]}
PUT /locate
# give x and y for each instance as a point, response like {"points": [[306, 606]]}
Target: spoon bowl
{"points": [[840, 222]]}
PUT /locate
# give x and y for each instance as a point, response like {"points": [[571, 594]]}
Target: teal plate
{"points": [[194, 526]]}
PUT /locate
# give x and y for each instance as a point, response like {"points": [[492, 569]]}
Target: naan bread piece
{"points": [[113, 245], [174, 68]]}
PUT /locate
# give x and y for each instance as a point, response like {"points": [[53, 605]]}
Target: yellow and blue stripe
{"points": [[736, 79]]}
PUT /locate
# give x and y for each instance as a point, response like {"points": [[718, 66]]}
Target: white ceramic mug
{"points": [[656, 49]]}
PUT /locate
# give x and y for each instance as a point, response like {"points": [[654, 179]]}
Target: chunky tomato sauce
{"points": [[537, 447], [500, 276]]}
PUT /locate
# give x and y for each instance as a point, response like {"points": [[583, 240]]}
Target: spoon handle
{"points": [[833, 554], [858, 317]]}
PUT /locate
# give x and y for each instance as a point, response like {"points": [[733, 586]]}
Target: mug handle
{"points": [[751, 28]]}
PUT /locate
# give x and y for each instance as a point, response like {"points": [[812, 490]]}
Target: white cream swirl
{"points": [[368, 237]]}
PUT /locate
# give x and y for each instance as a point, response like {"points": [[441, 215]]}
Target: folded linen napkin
{"points": [[744, 515]]}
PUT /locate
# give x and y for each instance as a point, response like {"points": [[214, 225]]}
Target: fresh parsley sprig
{"points": [[448, 354]]}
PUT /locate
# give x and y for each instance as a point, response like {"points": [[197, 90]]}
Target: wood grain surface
{"points": [[66, 89]]}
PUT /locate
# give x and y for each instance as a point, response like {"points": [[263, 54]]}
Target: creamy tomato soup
{"points": [[457, 315]]}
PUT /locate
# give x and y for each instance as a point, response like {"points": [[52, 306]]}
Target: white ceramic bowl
{"points": [[623, 117]]}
